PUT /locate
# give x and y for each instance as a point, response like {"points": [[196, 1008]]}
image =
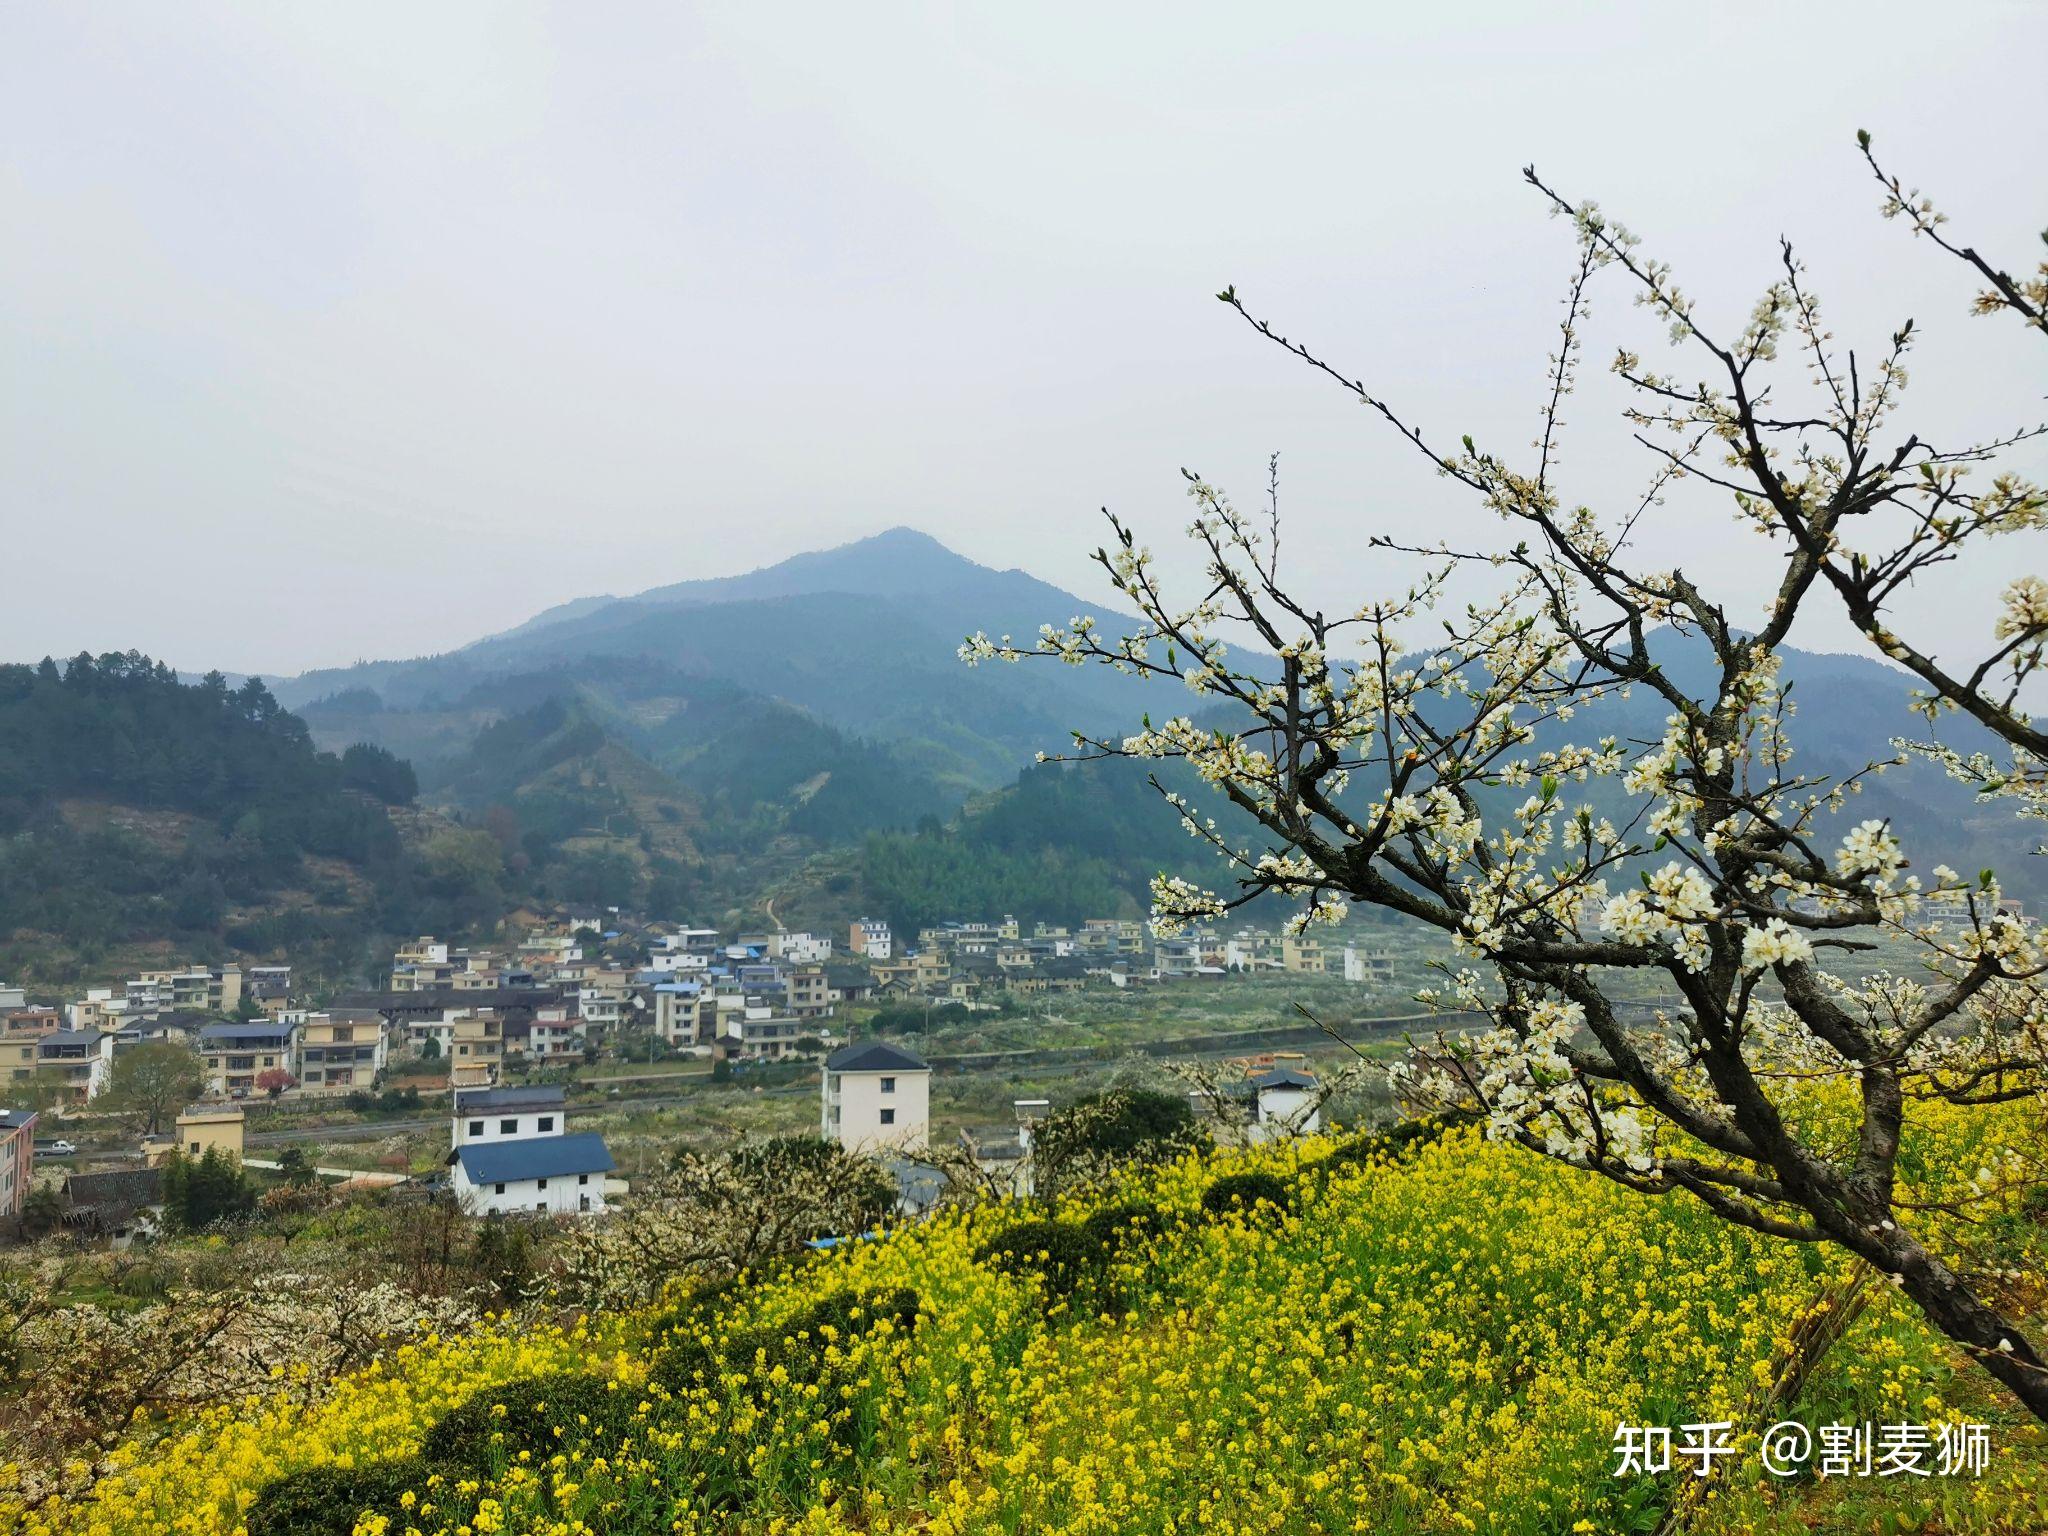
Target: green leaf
{"points": [[1863, 138]]}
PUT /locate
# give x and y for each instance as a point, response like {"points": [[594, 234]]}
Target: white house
{"points": [[876, 1096], [514, 1154], [83, 1059], [509, 1114], [539, 1175], [800, 948], [1361, 964], [870, 937], [1288, 1104]]}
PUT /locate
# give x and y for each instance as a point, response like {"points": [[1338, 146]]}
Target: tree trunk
{"points": [[1991, 1340]]}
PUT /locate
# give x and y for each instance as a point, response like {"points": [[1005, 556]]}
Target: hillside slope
{"points": [[137, 812], [1438, 1340]]}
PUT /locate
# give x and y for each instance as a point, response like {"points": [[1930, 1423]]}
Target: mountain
{"points": [[1101, 828], [806, 728], [862, 637]]}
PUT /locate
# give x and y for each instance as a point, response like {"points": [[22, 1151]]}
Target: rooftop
{"points": [[538, 1157], [211, 1112], [72, 1037], [1283, 1077], [874, 1056], [230, 1034], [536, 1097]]}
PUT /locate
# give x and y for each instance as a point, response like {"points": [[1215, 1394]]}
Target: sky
{"points": [[360, 331]]}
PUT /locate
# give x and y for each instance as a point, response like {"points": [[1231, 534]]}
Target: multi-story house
{"points": [[189, 991], [18, 1053], [513, 1153], [422, 965], [1303, 956], [341, 1049], [875, 1097], [870, 937], [237, 1057], [269, 987], [811, 993], [758, 1031], [504, 1114], [476, 1048], [1367, 964], [17, 1159], [21, 1030], [680, 1013], [555, 1033], [224, 990], [602, 1005], [81, 1059]]}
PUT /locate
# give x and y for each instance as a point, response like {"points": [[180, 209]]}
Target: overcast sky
{"points": [[347, 331]]}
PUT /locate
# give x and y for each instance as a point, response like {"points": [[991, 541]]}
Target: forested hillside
{"points": [[135, 809]]}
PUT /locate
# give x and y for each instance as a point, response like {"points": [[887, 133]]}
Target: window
{"points": [[888, 1117], [888, 1085], [195, 1149], [498, 1189], [582, 1178], [476, 1127], [547, 1122], [508, 1127], [540, 1183], [583, 1202]]}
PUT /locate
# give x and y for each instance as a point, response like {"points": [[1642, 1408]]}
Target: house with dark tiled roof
{"points": [[120, 1205], [876, 1097]]}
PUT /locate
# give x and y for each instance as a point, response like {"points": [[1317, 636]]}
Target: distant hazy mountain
{"points": [[819, 701], [863, 637]]}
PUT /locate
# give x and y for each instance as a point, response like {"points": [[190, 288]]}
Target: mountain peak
{"points": [[896, 562]]}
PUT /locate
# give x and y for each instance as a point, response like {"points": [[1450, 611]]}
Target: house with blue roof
{"points": [[560, 1175]]}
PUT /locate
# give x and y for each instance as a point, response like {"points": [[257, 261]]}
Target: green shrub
{"points": [[329, 1501], [1246, 1192], [1063, 1254], [798, 1346], [526, 1415]]}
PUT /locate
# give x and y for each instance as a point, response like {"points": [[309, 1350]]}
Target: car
{"points": [[56, 1148]]}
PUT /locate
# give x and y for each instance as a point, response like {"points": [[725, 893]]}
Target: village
{"points": [[498, 1036]]}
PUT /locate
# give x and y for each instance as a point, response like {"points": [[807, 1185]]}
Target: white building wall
{"points": [[1287, 1112], [525, 1123], [859, 1099], [565, 1195]]}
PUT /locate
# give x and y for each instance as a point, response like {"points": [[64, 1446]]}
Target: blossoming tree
{"points": [[1442, 780]]}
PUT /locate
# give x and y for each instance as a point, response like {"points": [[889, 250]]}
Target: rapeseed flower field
{"points": [[1439, 1340]]}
